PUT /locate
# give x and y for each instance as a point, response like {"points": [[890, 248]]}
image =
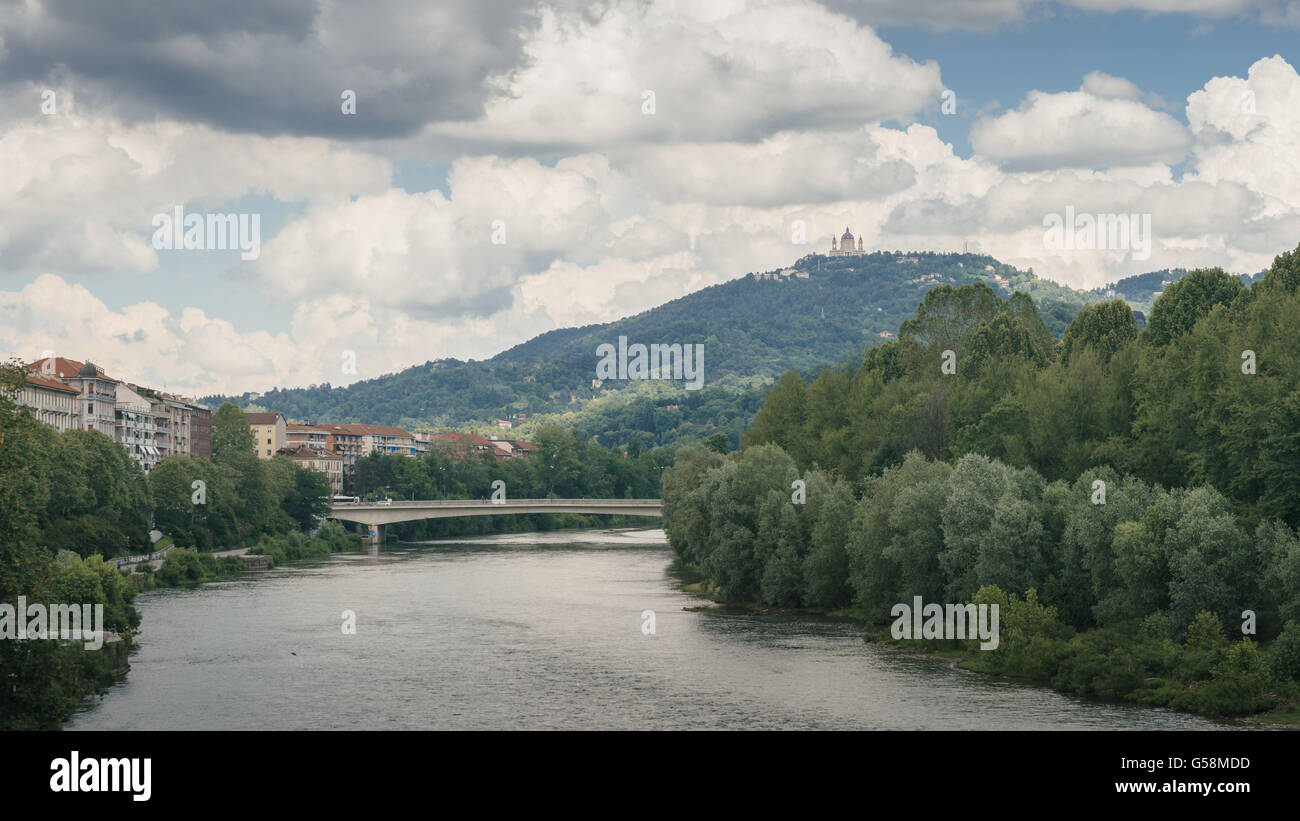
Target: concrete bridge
{"points": [[377, 515]]}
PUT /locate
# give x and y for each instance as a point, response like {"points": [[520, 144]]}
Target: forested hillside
{"points": [[1141, 290], [1170, 404], [753, 329]]}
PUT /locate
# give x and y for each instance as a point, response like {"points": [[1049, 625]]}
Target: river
{"points": [[538, 631]]}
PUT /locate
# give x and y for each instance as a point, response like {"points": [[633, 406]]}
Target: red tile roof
{"points": [[64, 368], [49, 384], [375, 430], [299, 427], [460, 438], [262, 418]]}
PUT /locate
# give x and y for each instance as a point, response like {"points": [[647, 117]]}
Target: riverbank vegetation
{"points": [[43, 680], [330, 538], [1126, 496], [187, 567], [70, 500]]}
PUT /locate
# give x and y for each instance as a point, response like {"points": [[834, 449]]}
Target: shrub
{"points": [[1284, 654]]}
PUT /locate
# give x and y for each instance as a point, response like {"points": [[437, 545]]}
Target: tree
{"points": [[780, 549], [1105, 328], [1142, 572], [781, 421], [733, 496], [718, 443], [948, 316], [306, 503], [1204, 632], [685, 516], [1283, 275], [1284, 655], [1015, 331], [231, 432], [232, 447], [1184, 303], [919, 492], [1011, 553], [974, 488], [873, 576], [826, 566], [24, 490], [40, 682], [1207, 551], [556, 461]]}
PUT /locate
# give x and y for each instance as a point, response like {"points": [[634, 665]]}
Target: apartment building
{"points": [[319, 460], [465, 445], [54, 403], [149, 424], [97, 391], [355, 441], [270, 433], [138, 427], [317, 436], [200, 432], [178, 433], [383, 439], [512, 448], [334, 448], [346, 442]]}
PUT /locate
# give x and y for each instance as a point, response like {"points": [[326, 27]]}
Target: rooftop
{"points": [[66, 368], [49, 384], [307, 452], [262, 418]]}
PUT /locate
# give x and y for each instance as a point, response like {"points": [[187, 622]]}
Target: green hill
{"points": [[817, 313], [1141, 290]]}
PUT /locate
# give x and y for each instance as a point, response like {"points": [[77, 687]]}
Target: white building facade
{"points": [[52, 402], [138, 428]]}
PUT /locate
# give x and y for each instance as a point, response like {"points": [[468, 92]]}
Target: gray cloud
{"points": [[933, 216], [269, 66], [937, 14], [985, 15]]}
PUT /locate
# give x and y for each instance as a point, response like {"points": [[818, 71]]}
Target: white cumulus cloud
{"points": [[1099, 126]]}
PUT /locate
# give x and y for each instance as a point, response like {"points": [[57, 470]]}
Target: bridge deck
{"points": [[391, 512], [504, 503]]}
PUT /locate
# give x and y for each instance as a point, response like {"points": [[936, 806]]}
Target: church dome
{"points": [[848, 237]]}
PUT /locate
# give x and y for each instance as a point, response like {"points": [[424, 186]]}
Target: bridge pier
{"points": [[376, 535]]}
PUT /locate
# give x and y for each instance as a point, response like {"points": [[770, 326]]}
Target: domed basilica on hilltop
{"points": [[846, 247]]}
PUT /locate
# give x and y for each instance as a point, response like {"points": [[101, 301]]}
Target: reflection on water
{"points": [[537, 631]]}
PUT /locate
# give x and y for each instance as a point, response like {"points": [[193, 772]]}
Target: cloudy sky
{"points": [[512, 167]]}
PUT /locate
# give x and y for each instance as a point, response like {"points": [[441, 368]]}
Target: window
{"points": [[90, 407]]}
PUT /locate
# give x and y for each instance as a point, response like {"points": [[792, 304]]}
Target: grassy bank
{"points": [[186, 567]]}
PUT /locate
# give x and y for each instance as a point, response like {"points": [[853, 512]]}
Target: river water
{"points": [[537, 631]]}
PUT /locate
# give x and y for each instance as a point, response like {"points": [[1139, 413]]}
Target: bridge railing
{"points": [[146, 557], [489, 502]]}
